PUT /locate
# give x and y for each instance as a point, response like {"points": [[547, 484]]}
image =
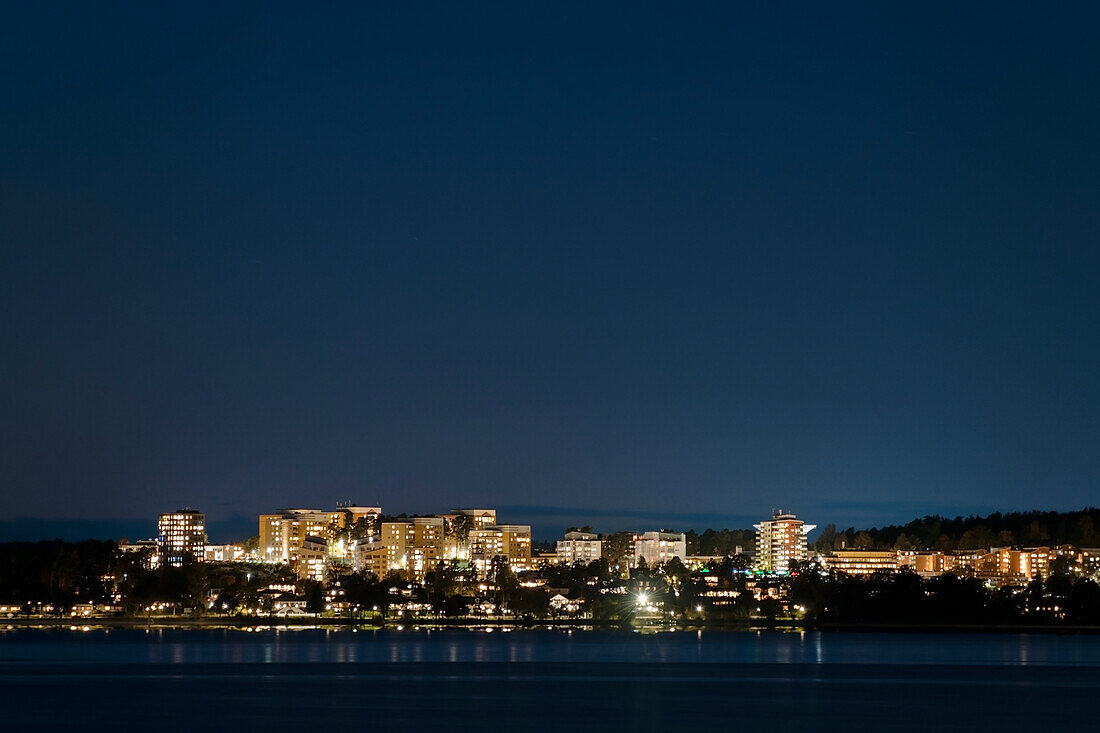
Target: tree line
{"points": [[933, 532], [62, 574]]}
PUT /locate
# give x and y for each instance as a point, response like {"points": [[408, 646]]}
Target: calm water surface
{"points": [[316, 679]]}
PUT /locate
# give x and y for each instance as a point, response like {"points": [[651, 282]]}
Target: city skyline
{"points": [[544, 528]]}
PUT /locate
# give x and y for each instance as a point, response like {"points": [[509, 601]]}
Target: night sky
{"points": [[636, 267]]}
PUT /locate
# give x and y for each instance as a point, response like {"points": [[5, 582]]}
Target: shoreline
{"points": [[339, 624]]}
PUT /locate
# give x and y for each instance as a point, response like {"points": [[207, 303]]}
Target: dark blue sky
{"points": [[688, 261]]}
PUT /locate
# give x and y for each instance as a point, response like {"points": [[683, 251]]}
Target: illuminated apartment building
{"points": [[370, 556], [579, 547], [970, 562], [282, 533], [355, 513], [1018, 566], [926, 563], [311, 559], [511, 541], [780, 541], [862, 562], [659, 547], [223, 553], [413, 545], [1089, 558], [516, 539], [457, 526], [481, 517], [181, 535]]}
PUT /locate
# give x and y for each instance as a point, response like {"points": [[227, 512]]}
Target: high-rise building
{"points": [[780, 541], [659, 547], [180, 535], [579, 547]]}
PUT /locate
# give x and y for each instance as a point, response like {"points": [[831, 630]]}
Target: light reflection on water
{"points": [[214, 646]]}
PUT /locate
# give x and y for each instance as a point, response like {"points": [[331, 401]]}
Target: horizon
{"points": [[234, 528]]}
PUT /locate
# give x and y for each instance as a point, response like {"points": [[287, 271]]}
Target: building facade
{"points": [[579, 547], [659, 547], [510, 541], [413, 546], [282, 533], [311, 561], [1000, 566], [481, 517], [781, 541], [370, 556], [862, 562], [181, 535], [223, 553]]}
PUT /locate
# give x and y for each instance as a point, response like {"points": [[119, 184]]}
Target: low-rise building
{"points": [[543, 559], [997, 566], [1019, 566], [147, 550], [698, 562], [223, 553], [862, 562], [926, 563], [565, 606]]}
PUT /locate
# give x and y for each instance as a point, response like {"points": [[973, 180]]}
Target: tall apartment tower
{"points": [[781, 540], [180, 535]]}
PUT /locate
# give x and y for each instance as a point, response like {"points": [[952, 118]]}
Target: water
{"points": [[318, 680]]}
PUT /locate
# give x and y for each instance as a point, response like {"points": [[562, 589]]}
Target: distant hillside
{"points": [[1080, 528]]}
